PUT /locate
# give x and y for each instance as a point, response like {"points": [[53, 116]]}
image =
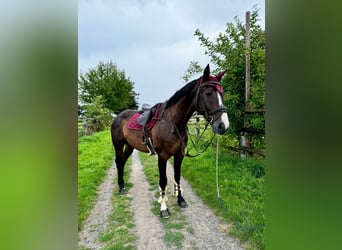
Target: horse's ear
{"points": [[220, 75], [206, 73]]}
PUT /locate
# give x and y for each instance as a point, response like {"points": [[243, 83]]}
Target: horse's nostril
{"points": [[221, 126]]}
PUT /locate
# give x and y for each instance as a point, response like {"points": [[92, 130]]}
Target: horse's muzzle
{"points": [[221, 125]]}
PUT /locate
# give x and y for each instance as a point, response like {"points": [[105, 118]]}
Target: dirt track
{"points": [[208, 232]]}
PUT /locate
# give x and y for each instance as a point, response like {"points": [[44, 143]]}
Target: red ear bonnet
{"points": [[213, 80], [217, 78], [220, 75]]}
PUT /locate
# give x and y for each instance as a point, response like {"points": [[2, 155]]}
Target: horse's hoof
{"points": [[182, 204], [122, 191], [165, 214]]}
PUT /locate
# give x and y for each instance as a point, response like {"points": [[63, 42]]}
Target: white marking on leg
{"points": [[162, 200], [175, 192], [163, 206], [177, 189]]}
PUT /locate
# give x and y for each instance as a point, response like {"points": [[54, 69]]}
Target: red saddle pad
{"points": [[134, 125]]}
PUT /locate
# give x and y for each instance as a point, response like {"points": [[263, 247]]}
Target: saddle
{"points": [[145, 114], [145, 119]]}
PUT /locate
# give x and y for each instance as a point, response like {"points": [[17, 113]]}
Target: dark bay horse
{"points": [[169, 135]]}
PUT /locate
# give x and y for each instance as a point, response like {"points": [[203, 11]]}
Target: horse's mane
{"points": [[181, 92]]}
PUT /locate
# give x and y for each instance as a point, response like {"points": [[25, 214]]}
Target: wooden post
{"points": [[248, 68], [245, 142]]}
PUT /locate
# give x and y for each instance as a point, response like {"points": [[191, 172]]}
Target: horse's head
{"points": [[209, 101]]}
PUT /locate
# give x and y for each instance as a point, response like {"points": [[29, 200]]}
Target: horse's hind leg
{"points": [[120, 166], [127, 153], [177, 174], [120, 160]]}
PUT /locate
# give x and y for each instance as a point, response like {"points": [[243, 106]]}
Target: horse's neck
{"points": [[181, 111]]}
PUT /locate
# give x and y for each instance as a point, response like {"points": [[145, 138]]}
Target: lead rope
{"points": [[222, 202], [217, 181]]}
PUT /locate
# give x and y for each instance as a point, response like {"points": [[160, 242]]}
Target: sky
{"points": [[153, 41]]}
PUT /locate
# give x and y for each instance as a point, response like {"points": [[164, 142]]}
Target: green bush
{"points": [[96, 116]]}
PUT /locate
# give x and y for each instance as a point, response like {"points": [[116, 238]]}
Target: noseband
{"points": [[208, 114]]}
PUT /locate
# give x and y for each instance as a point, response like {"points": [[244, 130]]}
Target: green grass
{"points": [[174, 239], [95, 156], [241, 184], [176, 223]]}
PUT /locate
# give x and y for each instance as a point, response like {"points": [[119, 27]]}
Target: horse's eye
{"points": [[208, 94]]}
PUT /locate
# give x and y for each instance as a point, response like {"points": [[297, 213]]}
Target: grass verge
{"points": [[95, 156], [241, 185]]}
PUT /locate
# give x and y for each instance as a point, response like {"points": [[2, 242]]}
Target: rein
{"points": [[198, 139], [198, 153]]}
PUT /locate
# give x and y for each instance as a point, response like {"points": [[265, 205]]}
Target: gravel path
{"points": [[148, 228], [208, 232]]}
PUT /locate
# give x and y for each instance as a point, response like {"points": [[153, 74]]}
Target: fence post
{"points": [[242, 145], [248, 67], [197, 126], [244, 138]]}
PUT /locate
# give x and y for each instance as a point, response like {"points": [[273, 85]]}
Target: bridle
{"points": [[208, 114]]}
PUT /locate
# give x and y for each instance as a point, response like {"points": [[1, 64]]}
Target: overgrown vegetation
{"points": [[241, 185], [95, 156]]}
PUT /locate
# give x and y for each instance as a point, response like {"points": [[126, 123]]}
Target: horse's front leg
{"points": [[164, 211], [177, 174]]}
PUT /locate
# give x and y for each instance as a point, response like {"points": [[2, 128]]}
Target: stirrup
{"points": [[150, 147]]}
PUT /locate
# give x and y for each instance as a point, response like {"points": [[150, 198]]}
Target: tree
{"points": [[227, 51], [193, 69], [107, 81]]}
